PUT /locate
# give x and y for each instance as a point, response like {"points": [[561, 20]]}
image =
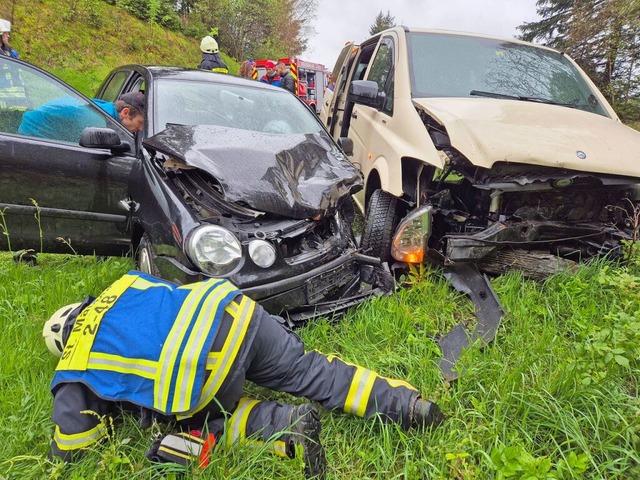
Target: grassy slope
{"points": [[82, 44], [557, 392]]}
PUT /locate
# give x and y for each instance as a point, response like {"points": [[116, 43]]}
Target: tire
{"points": [[145, 257], [384, 212]]}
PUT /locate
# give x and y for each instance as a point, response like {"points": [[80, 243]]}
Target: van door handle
{"points": [[354, 115]]}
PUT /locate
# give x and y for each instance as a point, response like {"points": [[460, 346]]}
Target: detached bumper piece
{"points": [[467, 279]]}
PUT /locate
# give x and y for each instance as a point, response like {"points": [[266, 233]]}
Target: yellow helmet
{"points": [[52, 331], [209, 45]]}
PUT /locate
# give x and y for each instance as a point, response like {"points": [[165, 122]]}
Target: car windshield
{"points": [[236, 106], [446, 65]]}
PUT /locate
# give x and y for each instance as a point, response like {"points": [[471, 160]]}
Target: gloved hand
{"points": [[182, 448]]}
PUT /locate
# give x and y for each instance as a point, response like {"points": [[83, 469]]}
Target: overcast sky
{"points": [[339, 21]]}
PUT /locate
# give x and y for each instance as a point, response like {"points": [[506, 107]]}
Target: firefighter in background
{"points": [[182, 354], [211, 56], [271, 77], [5, 34]]}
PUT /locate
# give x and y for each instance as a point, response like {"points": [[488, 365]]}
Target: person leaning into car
{"points": [[183, 353], [65, 118]]}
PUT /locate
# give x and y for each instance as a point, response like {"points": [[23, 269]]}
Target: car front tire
{"points": [[383, 214], [145, 258]]}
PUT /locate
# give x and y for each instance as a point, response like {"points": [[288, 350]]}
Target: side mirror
{"points": [[96, 137], [346, 144], [365, 92]]}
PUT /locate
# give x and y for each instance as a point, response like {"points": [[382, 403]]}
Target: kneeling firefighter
{"points": [[181, 354]]}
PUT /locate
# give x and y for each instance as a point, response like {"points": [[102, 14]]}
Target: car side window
{"points": [[36, 105], [381, 72], [113, 88]]}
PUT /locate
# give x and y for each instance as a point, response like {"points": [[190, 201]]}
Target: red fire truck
{"points": [[309, 78]]}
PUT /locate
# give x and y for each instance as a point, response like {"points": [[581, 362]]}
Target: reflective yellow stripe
{"points": [[195, 344], [280, 448], [212, 359], [76, 441], [241, 318], [169, 354], [76, 352], [175, 453], [238, 421], [115, 363], [359, 391], [144, 284]]}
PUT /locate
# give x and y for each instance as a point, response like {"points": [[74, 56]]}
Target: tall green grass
{"points": [[555, 396]]}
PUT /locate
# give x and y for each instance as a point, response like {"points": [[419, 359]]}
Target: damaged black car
{"points": [[230, 178]]}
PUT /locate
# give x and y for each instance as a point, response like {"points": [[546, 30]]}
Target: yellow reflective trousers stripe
{"points": [[76, 441], [238, 421], [241, 317], [359, 391]]}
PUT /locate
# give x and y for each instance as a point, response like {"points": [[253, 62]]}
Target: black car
{"points": [[230, 178]]}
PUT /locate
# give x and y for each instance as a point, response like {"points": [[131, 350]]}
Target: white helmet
{"points": [[52, 331], [209, 45], [5, 26]]}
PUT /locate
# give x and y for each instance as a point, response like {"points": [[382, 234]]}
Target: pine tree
{"points": [[382, 22]]}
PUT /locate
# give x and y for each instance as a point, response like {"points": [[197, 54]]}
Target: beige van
{"points": [[471, 145]]}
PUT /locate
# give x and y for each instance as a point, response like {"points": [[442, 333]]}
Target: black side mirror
{"points": [[96, 137], [346, 144], [365, 92]]}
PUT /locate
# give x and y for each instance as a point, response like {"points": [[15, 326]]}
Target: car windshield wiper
{"points": [[480, 93]]}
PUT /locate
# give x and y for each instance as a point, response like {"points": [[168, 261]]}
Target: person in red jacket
{"points": [[271, 77]]}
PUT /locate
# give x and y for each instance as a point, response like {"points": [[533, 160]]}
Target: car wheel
{"points": [[145, 256], [384, 212]]}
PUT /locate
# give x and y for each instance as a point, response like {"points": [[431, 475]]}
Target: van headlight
{"points": [[410, 240], [213, 249]]}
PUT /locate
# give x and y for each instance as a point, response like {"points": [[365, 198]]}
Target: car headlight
{"points": [[410, 240], [213, 249], [262, 253]]}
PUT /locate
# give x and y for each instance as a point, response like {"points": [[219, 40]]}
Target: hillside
{"points": [[80, 41]]}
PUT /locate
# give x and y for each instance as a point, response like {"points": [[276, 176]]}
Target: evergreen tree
{"points": [[382, 22], [603, 36]]}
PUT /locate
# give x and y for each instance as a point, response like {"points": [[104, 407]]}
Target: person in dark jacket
{"points": [[182, 354], [286, 79], [271, 77], [5, 34], [211, 56]]}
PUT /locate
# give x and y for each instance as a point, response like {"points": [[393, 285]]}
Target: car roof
{"points": [[192, 74]]}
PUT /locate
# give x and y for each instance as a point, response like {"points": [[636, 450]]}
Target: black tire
{"points": [[145, 257], [384, 212]]}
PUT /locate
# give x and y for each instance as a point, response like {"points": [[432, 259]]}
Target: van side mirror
{"points": [[96, 137], [365, 92]]}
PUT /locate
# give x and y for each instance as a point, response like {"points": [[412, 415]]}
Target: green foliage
{"points": [[603, 36]]}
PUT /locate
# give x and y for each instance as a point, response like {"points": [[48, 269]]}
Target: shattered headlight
{"points": [[213, 249], [410, 240], [262, 253]]}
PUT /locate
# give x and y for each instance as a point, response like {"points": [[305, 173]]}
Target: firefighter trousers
{"points": [[276, 359]]}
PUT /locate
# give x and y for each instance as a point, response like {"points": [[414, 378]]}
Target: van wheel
{"points": [[384, 212], [145, 257]]}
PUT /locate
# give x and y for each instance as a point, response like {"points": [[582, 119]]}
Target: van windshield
{"points": [[448, 65]]}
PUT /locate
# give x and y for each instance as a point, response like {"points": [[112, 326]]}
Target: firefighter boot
{"points": [[426, 414], [305, 436]]}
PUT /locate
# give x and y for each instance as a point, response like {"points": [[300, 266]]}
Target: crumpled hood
{"points": [[295, 176], [487, 130]]}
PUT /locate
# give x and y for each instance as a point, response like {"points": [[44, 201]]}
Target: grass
{"points": [[555, 396]]}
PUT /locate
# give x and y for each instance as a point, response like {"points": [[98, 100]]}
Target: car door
{"points": [[55, 195]]}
